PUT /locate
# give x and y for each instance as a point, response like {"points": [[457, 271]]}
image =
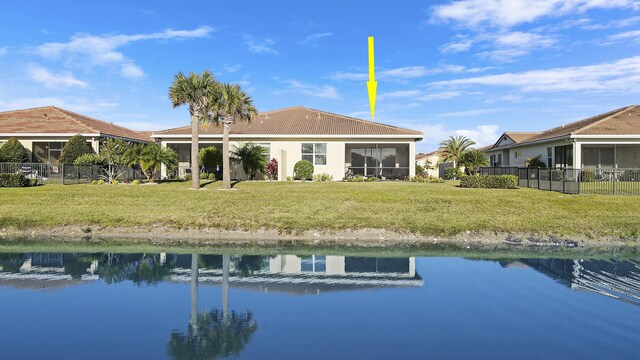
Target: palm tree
{"points": [[193, 90], [452, 149], [252, 157], [473, 159], [152, 158], [228, 104]]}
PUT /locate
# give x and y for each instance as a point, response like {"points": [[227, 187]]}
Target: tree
{"points": [[535, 162], [210, 157], [74, 148], [13, 151], [452, 149], [114, 152], [152, 158], [253, 159], [228, 104], [133, 156], [473, 159], [194, 90]]}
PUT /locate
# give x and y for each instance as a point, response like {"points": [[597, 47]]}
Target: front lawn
{"points": [[426, 209]]}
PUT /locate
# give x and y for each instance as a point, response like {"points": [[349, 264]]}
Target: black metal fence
{"points": [[66, 174], [574, 181]]}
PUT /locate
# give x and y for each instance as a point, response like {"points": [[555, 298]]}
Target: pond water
{"points": [[183, 306]]}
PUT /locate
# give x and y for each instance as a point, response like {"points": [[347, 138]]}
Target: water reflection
{"points": [[616, 279]]}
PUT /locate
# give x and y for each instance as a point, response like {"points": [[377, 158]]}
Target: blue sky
{"points": [[473, 67]]}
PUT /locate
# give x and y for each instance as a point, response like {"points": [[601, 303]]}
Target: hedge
{"points": [[490, 182], [14, 180]]}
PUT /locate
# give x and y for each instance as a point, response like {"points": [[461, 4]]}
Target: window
{"points": [[495, 160], [518, 154], [549, 157], [47, 152], [316, 153], [564, 156]]}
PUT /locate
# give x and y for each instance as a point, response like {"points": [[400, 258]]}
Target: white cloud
{"points": [[460, 44], [232, 68], [50, 80], [509, 13], [400, 94], [131, 71], [260, 46], [421, 96], [320, 91], [474, 112], [442, 95], [103, 49], [405, 73], [3, 51], [314, 38], [614, 24], [633, 35], [621, 75]]}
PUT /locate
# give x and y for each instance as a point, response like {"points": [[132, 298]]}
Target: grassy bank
{"points": [[425, 209]]}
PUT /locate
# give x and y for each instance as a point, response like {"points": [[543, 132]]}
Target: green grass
{"points": [[426, 209]]}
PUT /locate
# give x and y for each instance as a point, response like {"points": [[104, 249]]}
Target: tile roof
{"points": [[623, 121], [299, 121], [54, 120]]}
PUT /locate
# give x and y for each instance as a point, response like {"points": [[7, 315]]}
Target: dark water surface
{"points": [[150, 306]]}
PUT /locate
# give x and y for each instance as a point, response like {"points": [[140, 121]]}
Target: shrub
{"points": [[473, 159], [272, 169], [303, 170], [323, 177], [203, 176], [14, 180], [74, 148], [419, 169], [210, 157], [115, 182], [360, 178], [290, 178], [425, 179], [100, 182], [90, 159], [212, 177], [535, 162], [13, 151], [136, 182], [94, 182], [188, 177], [453, 173], [490, 182]]}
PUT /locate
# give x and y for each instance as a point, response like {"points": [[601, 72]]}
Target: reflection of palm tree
{"points": [[214, 334]]}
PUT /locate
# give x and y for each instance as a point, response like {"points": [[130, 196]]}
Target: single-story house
{"points": [[335, 144], [606, 141], [45, 130], [429, 162]]}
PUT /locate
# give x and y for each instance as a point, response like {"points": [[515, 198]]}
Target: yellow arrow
{"points": [[372, 84]]}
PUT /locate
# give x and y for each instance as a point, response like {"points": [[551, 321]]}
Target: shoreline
{"points": [[363, 238]]}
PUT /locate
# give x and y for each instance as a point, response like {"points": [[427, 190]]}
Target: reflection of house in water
{"points": [[46, 271], [316, 274], [616, 279]]}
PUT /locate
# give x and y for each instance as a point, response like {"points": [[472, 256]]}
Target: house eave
{"points": [[531, 143], [307, 136]]}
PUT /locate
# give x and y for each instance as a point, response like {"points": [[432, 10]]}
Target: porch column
{"points": [[95, 144], [163, 168], [412, 158], [577, 155]]}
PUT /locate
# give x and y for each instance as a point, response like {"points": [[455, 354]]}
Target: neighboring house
{"points": [[45, 130], [609, 140], [334, 143], [429, 162]]}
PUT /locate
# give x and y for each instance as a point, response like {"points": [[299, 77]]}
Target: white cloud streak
{"points": [[260, 46], [314, 38], [510, 13], [51, 80], [103, 49], [621, 75], [313, 90]]}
